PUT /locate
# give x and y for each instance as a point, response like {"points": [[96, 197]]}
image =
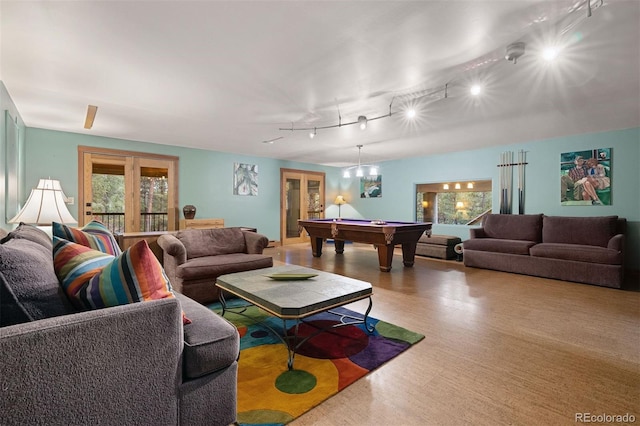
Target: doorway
{"points": [[127, 191], [301, 197]]}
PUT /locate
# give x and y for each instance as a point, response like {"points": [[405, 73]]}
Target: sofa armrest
{"points": [[174, 255], [173, 247], [477, 233], [76, 368], [616, 242], [255, 242]]}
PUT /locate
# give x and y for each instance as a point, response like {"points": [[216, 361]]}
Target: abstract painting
{"points": [[371, 187], [245, 179]]}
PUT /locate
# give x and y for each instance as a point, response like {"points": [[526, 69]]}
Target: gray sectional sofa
{"points": [[134, 364], [587, 250]]}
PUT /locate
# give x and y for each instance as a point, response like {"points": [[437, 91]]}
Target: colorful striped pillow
{"points": [[95, 280], [94, 235]]}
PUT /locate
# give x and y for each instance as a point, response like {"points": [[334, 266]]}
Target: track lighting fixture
{"points": [[513, 52], [362, 122], [550, 53]]}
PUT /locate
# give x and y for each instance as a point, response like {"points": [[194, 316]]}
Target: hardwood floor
{"points": [[499, 348]]}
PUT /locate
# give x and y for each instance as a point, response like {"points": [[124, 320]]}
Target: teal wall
{"points": [[542, 188], [205, 178]]}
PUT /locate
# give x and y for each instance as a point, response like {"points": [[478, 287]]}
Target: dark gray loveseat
{"points": [[582, 249], [134, 364]]}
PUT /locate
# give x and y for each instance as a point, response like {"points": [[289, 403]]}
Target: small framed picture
{"points": [[371, 187], [245, 179]]}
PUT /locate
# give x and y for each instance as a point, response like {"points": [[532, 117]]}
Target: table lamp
{"points": [[46, 204], [339, 201]]}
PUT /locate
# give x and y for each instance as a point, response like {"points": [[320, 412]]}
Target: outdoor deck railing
{"points": [[149, 222]]}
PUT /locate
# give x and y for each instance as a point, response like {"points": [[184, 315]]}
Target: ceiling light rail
{"points": [[361, 121], [514, 52]]}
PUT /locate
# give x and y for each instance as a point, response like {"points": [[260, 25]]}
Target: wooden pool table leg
{"points": [[385, 256], [408, 254], [316, 246], [339, 246]]}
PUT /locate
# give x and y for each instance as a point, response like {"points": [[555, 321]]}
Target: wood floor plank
{"points": [[499, 348]]}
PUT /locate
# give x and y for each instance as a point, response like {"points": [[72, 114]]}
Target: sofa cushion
{"points": [[212, 242], [211, 343], [214, 266], [578, 253], [593, 231], [95, 280], [441, 240], [31, 233], [94, 235], [497, 245], [527, 227], [29, 288]]}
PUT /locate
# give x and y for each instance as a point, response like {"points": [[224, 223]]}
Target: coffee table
{"points": [[297, 299]]}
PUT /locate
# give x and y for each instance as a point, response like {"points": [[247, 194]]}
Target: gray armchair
{"points": [[195, 258]]}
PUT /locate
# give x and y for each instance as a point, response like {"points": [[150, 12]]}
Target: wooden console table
{"points": [[128, 239], [201, 223]]}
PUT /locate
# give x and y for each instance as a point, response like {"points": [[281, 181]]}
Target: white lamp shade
{"points": [[46, 204], [340, 200]]}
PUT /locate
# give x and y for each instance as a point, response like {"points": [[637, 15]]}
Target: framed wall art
{"points": [[371, 187], [245, 179], [585, 177]]}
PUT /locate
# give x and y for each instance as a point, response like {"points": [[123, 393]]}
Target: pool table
{"points": [[382, 234]]}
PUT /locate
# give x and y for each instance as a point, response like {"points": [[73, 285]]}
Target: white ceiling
{"points": [[227, 75]]}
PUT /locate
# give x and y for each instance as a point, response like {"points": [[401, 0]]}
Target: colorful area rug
{"points": [[270, 394]]}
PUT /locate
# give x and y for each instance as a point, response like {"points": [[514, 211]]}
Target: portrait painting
{"points": [[585, 177], [245, 179]]}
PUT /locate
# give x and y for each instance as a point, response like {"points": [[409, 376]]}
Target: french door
{"points": [[301, 197], [127, 191]]}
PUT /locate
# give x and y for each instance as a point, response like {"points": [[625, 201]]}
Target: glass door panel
{"points": [[127, 192], [107, 197], [302, 197], [315, 204], [293, 209], [154, 194]]}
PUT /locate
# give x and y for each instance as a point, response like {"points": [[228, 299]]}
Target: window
{"points": [[462, 203]]}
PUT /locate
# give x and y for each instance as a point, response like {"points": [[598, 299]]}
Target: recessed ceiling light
{"points": [[411, 113], [476, 89]]}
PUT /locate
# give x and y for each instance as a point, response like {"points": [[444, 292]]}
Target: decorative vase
{"points": [[189, 211]]}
